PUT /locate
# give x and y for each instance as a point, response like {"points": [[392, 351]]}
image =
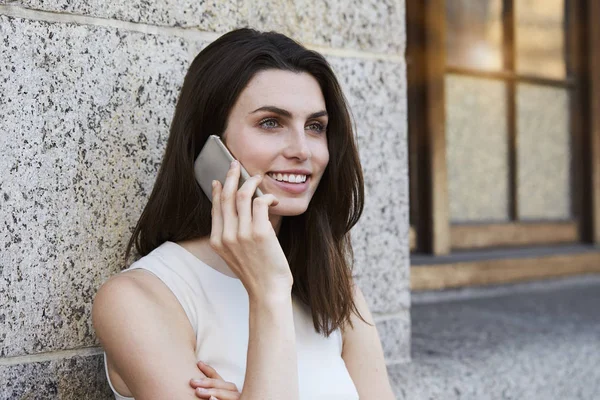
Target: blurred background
{"points": [[504, 139]]}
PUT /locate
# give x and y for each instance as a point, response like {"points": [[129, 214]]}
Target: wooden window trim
{"points": [[576, 68], [471, 236], [426, 55], [503, 271], [593, 51], [412, 238], [511, 76], [584, 46], [510, 60]]}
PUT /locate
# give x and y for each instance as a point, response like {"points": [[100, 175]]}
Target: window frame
{"points": [[426, 70]]}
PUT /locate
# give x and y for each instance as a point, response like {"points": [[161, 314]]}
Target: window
{"points": [[502, 145]]}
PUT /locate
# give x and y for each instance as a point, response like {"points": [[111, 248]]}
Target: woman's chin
{"points": [[288, 210]]}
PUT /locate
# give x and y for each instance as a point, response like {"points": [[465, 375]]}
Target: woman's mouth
{"points": [[291, 183], [289, 178]]}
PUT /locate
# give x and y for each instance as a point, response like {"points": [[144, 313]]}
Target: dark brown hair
{"points": [[316, 243]]}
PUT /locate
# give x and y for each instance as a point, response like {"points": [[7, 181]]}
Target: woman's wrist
{"points": [[270, 297]]}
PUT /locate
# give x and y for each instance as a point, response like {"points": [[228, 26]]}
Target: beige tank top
{"points": [[217, 307]]}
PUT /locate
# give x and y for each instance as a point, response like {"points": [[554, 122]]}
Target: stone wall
{"points": [[87, 92]]}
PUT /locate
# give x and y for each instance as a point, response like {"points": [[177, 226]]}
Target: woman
{"points": [[260, 289]]}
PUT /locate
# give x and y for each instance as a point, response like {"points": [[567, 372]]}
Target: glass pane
{"points": [[543, 153], [474, 33], [540, 38], [476, 149]]}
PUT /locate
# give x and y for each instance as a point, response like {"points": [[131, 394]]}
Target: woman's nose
{"points": [[297, 146]]}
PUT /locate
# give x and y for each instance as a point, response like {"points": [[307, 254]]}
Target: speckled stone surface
{"points": [[77, 378], [372, 25], [213, 16], [84, 115], [376, 93], [538, 345], [395, 337]]}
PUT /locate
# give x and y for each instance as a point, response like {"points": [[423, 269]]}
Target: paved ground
{"points": [[538, 343]]}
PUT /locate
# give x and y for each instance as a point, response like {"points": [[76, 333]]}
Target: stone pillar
{"points": [[87, 93]]}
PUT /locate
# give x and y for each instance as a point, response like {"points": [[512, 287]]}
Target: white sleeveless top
{"points": [[218, 310]]}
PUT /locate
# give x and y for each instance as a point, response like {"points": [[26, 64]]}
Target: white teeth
{"points": [[289, 178]]}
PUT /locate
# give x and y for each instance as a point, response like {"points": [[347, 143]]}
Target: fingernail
{"points": [[213, 398], [234, 163], [202, 390], [197, 381], [214, 184]]}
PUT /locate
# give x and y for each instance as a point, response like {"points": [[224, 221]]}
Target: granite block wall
{"points": [[87, 92]]}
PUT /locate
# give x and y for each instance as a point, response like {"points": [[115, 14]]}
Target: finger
{"points": [[210, 383], [244, 204], [260, 211], [209, 371], [217, 217], [203, 394], [218, 393], [228, 207]]}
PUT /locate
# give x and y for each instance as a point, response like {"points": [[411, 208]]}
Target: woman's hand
{"points": [[213, 386], [244, 237]]}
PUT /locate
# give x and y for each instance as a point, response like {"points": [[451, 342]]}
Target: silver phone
{"points": [[213, 163]]}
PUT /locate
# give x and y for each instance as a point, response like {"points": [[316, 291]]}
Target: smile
{"points": [[289, 178], [299, 186]]}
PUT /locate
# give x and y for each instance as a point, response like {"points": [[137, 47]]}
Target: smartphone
{"points": [[213, 162]]}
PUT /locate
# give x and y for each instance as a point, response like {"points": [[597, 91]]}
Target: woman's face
{"points": [[277, 128]]}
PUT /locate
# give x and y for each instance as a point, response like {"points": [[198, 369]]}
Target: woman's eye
{"points": [[269, 123], [316, 126]]}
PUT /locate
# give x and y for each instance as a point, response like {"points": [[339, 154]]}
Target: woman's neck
{"points": [[276, 222]]}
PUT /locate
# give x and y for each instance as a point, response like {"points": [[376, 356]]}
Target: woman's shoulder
{"points": [[133, 291], [156, 284], [132, 284]]}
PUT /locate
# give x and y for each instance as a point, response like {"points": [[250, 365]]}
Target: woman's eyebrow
{"points": [[286, 113]]}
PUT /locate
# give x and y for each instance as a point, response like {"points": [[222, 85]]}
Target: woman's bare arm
{"points": [[147, 336], [271, 371]]}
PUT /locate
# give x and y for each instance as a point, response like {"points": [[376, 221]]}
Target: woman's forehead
{"points": [[283, 89]]}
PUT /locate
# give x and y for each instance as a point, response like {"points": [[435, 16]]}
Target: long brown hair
{"points": [[316, 243]]}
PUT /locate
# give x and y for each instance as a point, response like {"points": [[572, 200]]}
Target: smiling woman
{"points": [[259, 289]]}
